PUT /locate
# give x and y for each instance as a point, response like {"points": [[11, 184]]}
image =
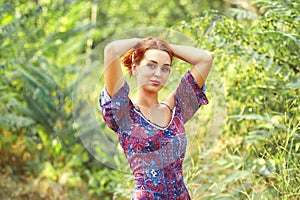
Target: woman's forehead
{"points": [[157, 55]]}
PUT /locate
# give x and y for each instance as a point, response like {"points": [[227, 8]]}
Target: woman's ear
{"points": [[134, 69]]}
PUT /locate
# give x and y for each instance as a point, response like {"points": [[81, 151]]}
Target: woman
{"points": [[150, 132]]}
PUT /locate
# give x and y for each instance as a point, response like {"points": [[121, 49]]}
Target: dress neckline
{"points": [[137, 110]]}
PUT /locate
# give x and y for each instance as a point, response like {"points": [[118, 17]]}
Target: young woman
{"points": [[150, 132]]}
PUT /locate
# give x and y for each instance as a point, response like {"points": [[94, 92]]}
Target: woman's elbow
{"points": [[206, 59], [209, 58], [109, 49]]}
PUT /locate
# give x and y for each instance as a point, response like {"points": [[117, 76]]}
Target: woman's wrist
{"points": [[120, 47], [177, 52], [191, 55]]}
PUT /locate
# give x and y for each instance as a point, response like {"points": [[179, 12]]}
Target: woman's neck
{"points": [[146, 99], [147, 103]]}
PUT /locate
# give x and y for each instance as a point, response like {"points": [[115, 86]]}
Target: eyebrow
{"points": [[153, 61]]}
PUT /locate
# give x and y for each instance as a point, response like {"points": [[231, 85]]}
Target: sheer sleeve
{"points": [[116, 110], [189, 96]]}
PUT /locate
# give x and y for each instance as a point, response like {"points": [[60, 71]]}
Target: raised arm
{"points": [[200, 59], [113, 75]]}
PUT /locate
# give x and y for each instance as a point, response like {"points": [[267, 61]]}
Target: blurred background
{"points": [[45, 43]]}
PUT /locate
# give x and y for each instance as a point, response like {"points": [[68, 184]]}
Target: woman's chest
{"points": [[144, 137]]}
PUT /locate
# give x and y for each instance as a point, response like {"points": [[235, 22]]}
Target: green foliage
{"points": [[45, 43], [260, 60]]}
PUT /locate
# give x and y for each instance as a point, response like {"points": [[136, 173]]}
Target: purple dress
{"points": [[155, 153]]}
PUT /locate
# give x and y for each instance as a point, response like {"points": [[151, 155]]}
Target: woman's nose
{"points": [[157, 71]]}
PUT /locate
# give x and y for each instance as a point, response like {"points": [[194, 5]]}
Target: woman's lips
{"points": [[154, 82]]}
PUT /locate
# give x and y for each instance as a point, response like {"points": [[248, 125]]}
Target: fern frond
{"points": [[241, 14], [44, 77], [15, 121]]}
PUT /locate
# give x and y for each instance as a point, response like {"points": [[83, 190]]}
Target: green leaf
{"points": [[293, 86], [15, 121], [237, 175]]}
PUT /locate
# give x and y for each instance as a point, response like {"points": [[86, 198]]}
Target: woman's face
{"points": [[153, 71]]}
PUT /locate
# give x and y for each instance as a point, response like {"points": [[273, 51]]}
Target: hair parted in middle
{"points": [[136, 54]]}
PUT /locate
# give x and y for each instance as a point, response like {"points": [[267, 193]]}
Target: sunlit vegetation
{"points": [[45, 43]]}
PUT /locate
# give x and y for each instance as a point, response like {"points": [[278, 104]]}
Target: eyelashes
{"points": [[164, 69]]}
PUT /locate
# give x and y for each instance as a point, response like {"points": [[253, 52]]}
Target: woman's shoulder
{"points": [[120, 97]]}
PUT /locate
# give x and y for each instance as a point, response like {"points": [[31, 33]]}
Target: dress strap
{"points": [[166, 105]]}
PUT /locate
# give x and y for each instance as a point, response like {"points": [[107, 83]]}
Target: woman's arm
{"points": [[189, 99], [200, 59], [113, 75]]}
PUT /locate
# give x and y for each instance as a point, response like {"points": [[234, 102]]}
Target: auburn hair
{"points": [[136, 53]]}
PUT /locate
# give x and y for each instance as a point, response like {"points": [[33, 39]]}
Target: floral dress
{"points": [[155, 153]]}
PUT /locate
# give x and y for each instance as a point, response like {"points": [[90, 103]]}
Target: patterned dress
{"points": [[155, 153]]}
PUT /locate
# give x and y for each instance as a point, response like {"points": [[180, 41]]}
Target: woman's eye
{"points": [[165, 69], [152, 66]]}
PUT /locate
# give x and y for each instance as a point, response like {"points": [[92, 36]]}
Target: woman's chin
{"points": [[153, 88]]}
